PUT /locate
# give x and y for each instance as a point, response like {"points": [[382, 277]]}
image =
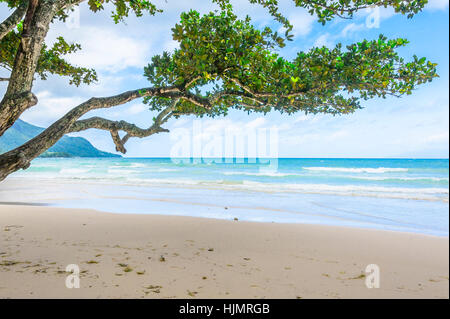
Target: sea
{"points": [[407, 195]]}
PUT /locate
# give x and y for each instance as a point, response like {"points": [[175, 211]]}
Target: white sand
{"points": [[207, 258]]}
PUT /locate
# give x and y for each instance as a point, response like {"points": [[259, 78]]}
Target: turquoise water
{"points": [[394, 194]]}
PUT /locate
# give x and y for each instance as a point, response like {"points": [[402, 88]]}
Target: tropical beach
{"points": [[224, 149], [166, 228]]}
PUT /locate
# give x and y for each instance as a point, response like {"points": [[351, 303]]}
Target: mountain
{"points": [[67, 146]]}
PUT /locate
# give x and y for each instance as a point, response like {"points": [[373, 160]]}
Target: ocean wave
{"points": [[378, 170], [432, 194], [164, 170], [269, 174], [120, 171], [71, 171], [137, 165], [419, 179]]}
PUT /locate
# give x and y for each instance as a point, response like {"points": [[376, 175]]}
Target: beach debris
{"points": [[150, 287], [140, 272], [92, 262], [128, 269], [42, 270], [362, 276], [154, 289], [13, 226], [162, 259], [236, 219], [122, 265], [210, 249], [204, 277], [192, 293], [246, 258], [9, 263], [98, 255], [433, 280]]}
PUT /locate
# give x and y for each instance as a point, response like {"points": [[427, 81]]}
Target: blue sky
{"points": [[413, 126]]}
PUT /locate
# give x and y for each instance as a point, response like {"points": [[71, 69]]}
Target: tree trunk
{"points": [[18, 96]]}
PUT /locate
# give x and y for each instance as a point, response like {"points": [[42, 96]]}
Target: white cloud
{"points": [[437, 138], [437, 4], [302, 23], [105, 49], [324, 40], [351, 28], [49, 108], [256, 123], [171, 45], [137, 108]]}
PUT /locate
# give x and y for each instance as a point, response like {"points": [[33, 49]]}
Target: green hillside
{"points": [[68, 146]]}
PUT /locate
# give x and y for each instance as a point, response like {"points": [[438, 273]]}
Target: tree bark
{"points": [[35, 27]]}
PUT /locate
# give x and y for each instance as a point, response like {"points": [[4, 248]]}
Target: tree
{"points": [[223, 62]]}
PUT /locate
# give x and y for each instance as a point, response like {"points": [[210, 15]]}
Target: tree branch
{"points": [[20, 157], [12, 21], [132, 130]]}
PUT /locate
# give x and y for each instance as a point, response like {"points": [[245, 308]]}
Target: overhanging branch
{"points": [[12, 21], [131, 130]]}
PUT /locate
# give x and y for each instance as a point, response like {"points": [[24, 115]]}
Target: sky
{"points": [[414, 126]]}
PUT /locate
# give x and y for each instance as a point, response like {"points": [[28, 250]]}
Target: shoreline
{"points": [[338, 227], [319, 209], [193, 257]]}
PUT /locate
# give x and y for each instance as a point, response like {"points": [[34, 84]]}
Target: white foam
{"points": [[434, 194], [120, 171], [72, 171], [270, 174], [393, 178], [378, 170]]}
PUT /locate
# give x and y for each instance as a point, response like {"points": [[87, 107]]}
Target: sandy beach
{"points": [[156, 256]]}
